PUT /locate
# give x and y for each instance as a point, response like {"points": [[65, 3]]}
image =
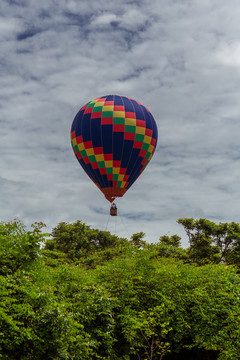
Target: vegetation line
{"points": [[86, 294]]}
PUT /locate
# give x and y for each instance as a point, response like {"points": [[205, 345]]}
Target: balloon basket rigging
{"points": [[113, 210]]}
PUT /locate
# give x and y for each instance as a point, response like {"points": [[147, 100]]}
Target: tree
{"points": [[19, 247], [173, 240], [169, 246], [142, 304], [147, 332], [137, 239], [35, 323], [164, 304], [78, 241], [212, 243]]}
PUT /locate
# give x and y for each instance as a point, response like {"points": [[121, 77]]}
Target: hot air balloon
{"points": [[114, 138]]}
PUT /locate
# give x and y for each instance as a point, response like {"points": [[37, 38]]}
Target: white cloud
{"points": [[104, 19], [8, 27], [135, 20], [180, 59], [229, 54]]}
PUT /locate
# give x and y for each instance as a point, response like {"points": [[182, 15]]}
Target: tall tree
{"points": [[211, 242]]}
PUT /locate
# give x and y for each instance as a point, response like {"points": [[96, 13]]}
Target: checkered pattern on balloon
{"points": [[114, 138]]}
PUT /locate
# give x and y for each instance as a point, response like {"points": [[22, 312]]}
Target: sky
{"points": [[181, 59]]}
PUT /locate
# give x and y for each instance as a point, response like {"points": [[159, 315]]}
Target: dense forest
{"points": [[81, 293]]}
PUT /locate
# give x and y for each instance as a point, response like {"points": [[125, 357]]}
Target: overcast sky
{"points": [[181, 59]]}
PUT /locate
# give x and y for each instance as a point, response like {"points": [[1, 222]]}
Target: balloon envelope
{"points": [[114, 138]]}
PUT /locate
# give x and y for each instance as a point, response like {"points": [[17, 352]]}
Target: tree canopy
{"points": [[83, 293]]}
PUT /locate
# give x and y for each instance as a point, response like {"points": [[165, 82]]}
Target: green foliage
{"points": [[174, 240], [212, 243], [33, 325], [170, 247], [165, 305], [81, 243], [88, 294], [18, 247], [147, 332], [137, 240]]}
